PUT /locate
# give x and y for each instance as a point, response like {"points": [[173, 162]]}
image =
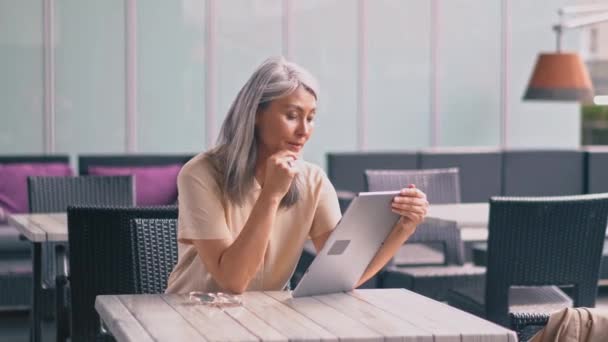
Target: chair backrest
{"points": [[101, 259], [443, 232], [55, 194], [345, 170], [441, 186], [480, 169], [536, 241], [154, 251]]}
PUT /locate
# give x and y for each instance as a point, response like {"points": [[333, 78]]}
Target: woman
{"points": [[247, 206]]}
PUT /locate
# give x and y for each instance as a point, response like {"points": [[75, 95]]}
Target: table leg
{"points": [[35, 313]]}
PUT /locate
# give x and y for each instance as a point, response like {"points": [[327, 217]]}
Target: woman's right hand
{"points": [[280, 172]]}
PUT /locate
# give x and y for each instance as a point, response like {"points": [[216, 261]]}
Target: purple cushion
{"points": [[154, 185], [13, 182]]}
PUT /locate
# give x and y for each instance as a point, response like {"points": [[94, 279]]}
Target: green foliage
{"points": [[593, 112]]}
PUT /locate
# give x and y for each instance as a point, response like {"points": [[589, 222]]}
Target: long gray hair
{"points": [[235, 155]]}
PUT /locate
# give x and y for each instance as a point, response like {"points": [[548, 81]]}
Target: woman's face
{"points": [[286, 123]]}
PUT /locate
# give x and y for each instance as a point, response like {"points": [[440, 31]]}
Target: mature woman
{"points": [[247, 206]]}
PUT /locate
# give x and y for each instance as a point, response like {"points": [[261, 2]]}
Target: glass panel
{"points": [[328, 48], [398, 74], [469, 72], [538, 123], [171, 39], [90, 76], [21, 87], [248, 32]]}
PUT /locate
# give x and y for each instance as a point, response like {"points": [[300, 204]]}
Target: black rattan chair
{"points": [[55, 194], [440, 185], [417, 267], [155, 252], [535, 243], [101, 260]]}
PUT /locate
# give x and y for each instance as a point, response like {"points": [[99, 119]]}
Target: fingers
{"points": [[286, 154], [412, 191], [285, 163], [410, 203], [410, 200], [414, 204], [285, 157], [415, 209]]}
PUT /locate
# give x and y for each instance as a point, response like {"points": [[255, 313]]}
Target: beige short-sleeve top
{"points": [[204, 214]]}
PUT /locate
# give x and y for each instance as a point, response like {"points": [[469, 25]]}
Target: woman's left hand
{"points": [[412, 205]]}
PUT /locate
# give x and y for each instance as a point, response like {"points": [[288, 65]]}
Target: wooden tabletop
{"points": [[467, 215], [471, 218], [371, 315], [41, 227]]}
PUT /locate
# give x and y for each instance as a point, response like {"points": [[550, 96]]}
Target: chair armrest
{"points": [[528, 324]]}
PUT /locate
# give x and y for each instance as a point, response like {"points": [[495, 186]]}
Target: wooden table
{"points": [[39, 229], [370, 315], [471, 218]]}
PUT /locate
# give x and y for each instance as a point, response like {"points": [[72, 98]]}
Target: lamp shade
{"points": [[560, 77]]}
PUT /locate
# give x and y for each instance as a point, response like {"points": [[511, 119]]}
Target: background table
{"points": [[41, 227], [471, 218], [38, 229], [372, 315]]}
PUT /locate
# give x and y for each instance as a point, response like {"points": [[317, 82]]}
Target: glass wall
{"points": [[248, 32], [329, 51], [398, 67], [170, 76], [21, 89], [90, 76], [171, 68], [468, 71]]}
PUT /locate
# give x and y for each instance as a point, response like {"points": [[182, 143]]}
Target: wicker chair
{"points": [[538, 242], [155, 252], [15, 253], [102, 260], [416, 267], [55, 194], [440, 185]]}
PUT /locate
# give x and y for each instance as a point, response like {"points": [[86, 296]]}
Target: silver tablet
{"points": [[352, 245]]}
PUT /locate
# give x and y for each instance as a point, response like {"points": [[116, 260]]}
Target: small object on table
{"points": [[217, 299]]}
